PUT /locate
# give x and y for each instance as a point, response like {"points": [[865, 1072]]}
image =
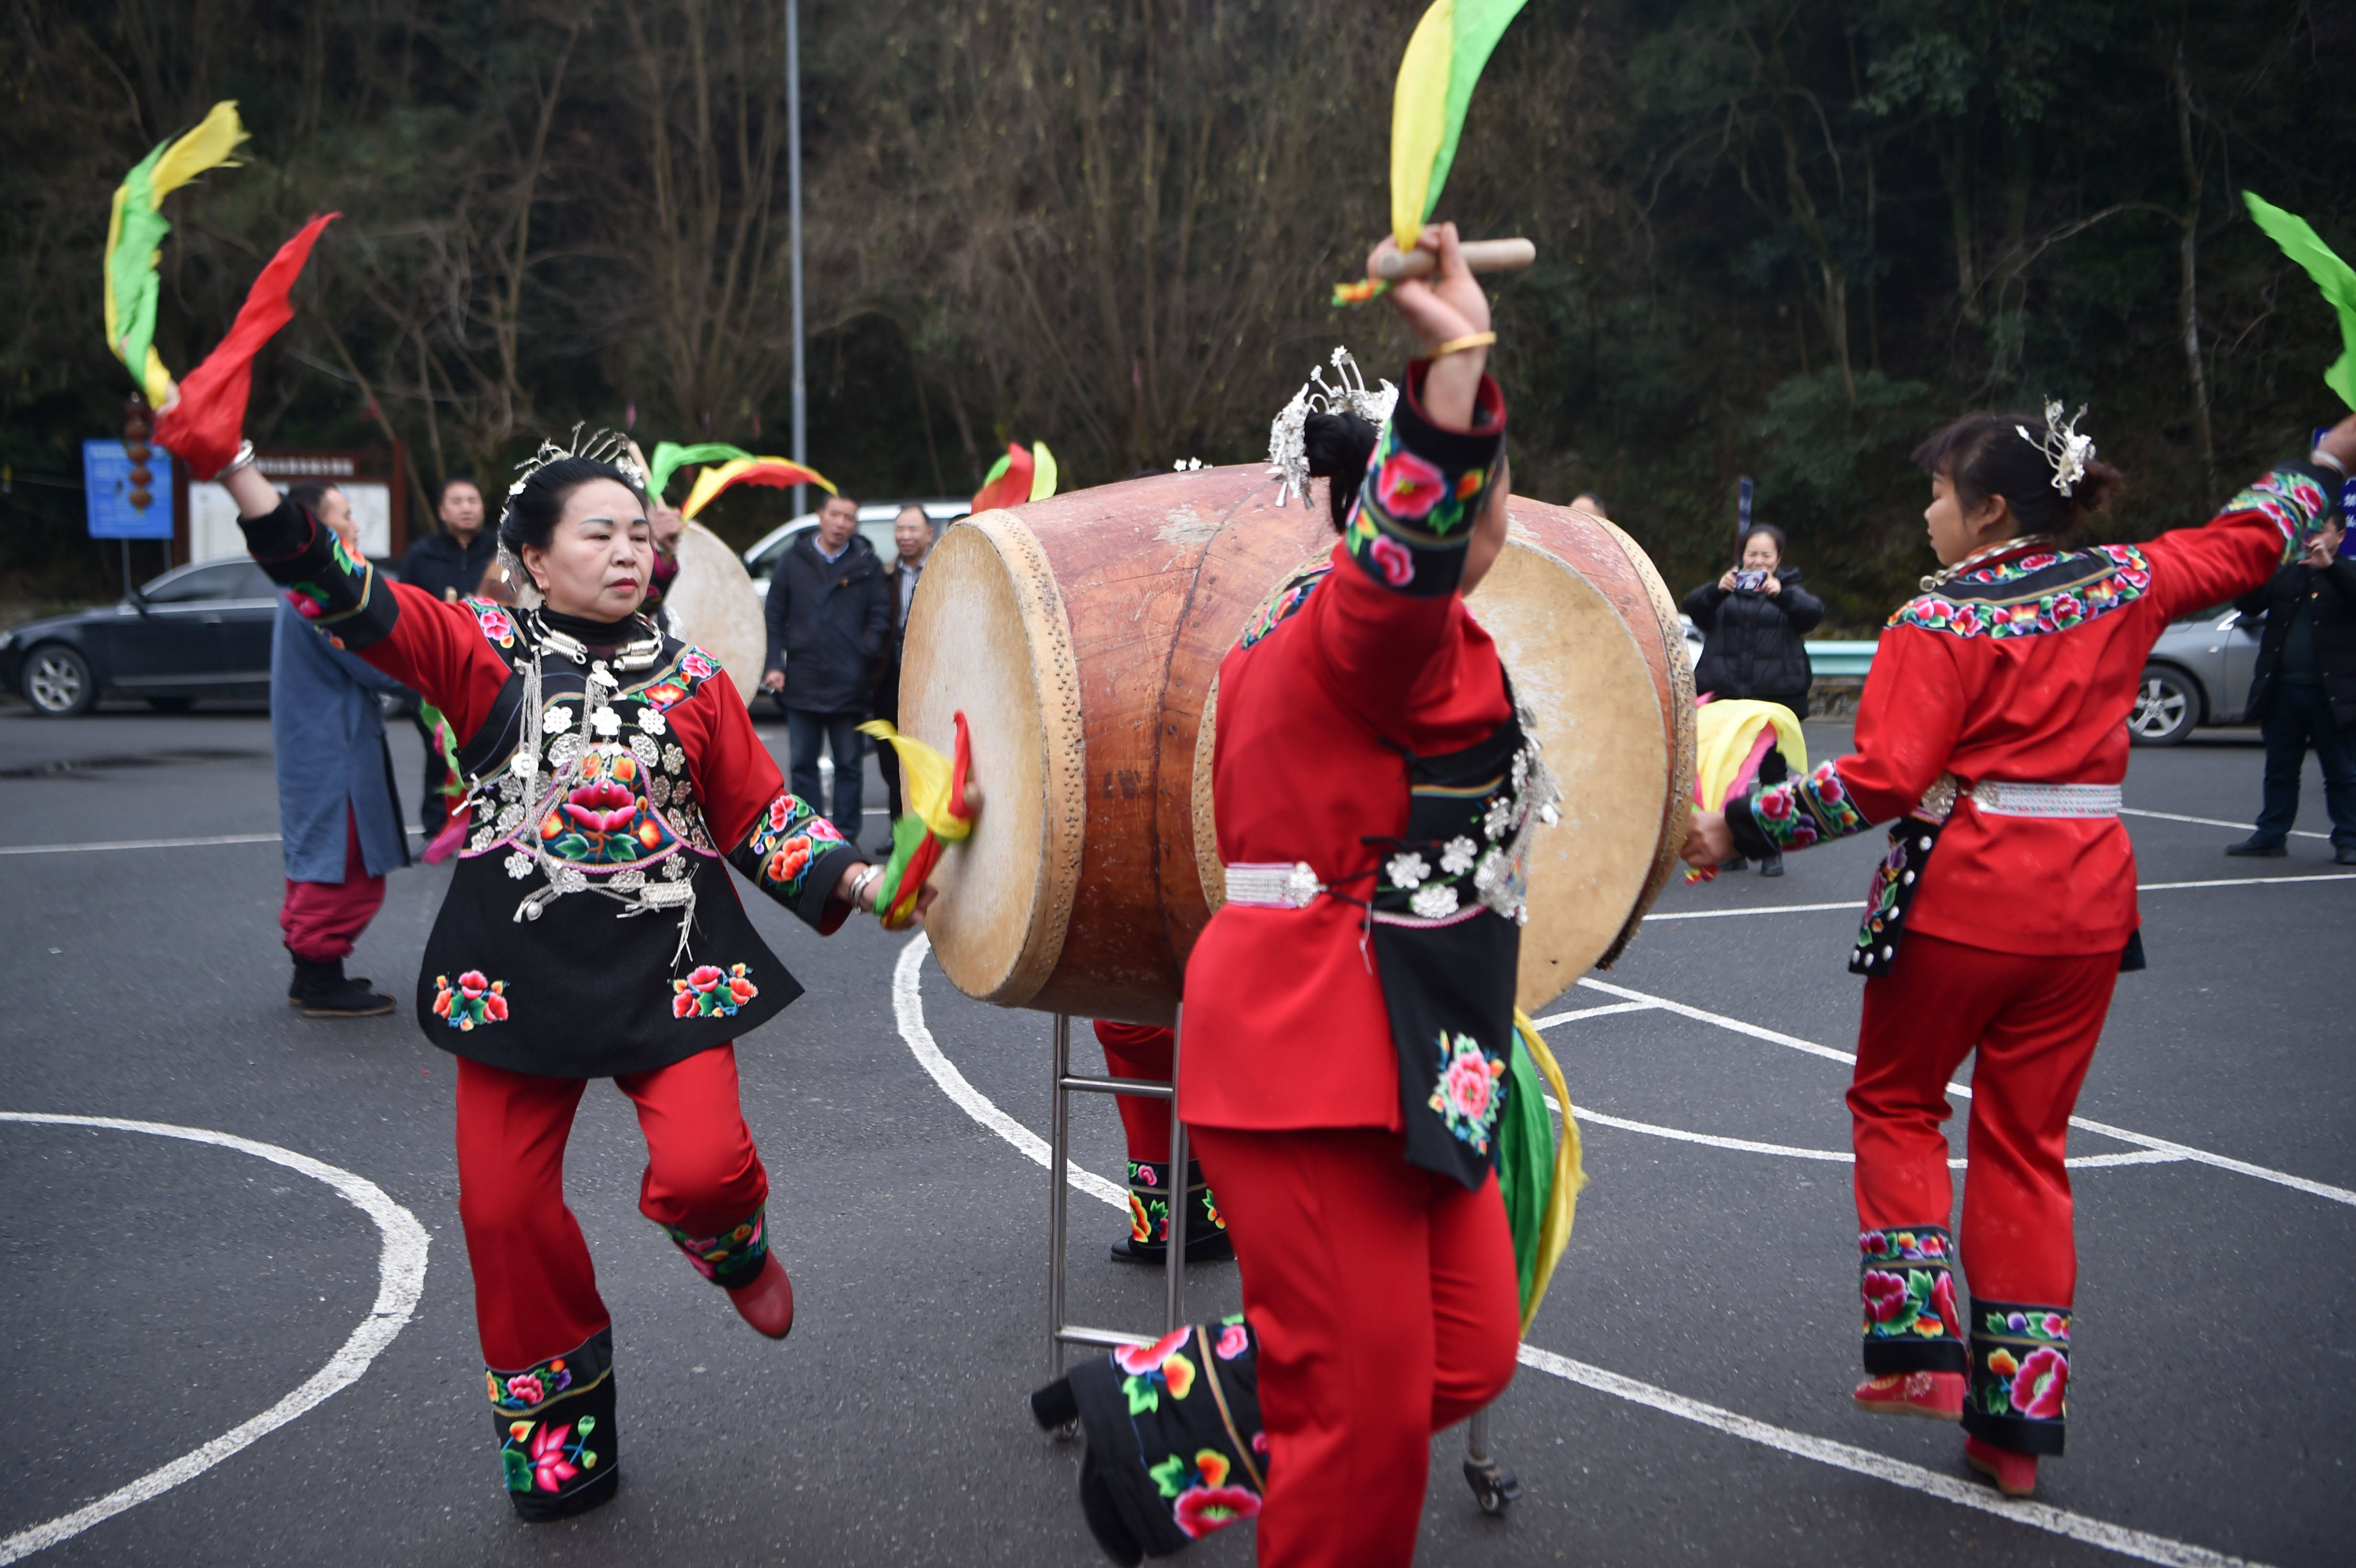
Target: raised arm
{"points": [[2257, 533]]}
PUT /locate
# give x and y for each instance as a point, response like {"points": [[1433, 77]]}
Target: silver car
{"points": [[2199, 673]]}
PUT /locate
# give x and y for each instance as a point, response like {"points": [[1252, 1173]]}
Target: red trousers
{"points": [[1140, 1051], [535, 1289], [322, 920], [1386, 1307], [2033, 1022]]}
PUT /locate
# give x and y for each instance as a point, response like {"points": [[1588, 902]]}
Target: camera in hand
{"points": [[1749, 582]]}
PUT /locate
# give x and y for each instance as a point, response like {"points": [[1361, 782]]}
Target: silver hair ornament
{"points": [[2063, 447], [1287, 448]]}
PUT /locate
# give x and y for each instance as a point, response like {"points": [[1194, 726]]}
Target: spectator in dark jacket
{"points": [[830, 611], [449, 563], [2304, 692], [1752, 621], [912, 541]]}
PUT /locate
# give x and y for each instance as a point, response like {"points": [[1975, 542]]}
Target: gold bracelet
{"points": [[1470, 340]]}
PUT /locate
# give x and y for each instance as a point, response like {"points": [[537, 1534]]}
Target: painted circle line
{"points": [[908, 1010], [400, 1280]]}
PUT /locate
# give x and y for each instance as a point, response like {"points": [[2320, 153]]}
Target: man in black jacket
{"points": [[830, 610], [912, 541], [2304, 692], [450, 565]]}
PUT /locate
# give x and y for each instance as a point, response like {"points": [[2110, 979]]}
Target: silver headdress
{"points": [[2063, 447], [1287, 434], [607, 446]]}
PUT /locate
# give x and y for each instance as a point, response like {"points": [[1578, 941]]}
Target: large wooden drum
{"points": [[1081, 636]]}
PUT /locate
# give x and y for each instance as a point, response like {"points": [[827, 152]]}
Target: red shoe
{"points": [[1939, 1395], [767, 1302], [2015, 1475]]}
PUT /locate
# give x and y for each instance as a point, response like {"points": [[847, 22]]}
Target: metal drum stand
{"points": [[1059, 1141]]}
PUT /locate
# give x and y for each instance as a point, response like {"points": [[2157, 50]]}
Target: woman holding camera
{"points": [[1752, 620]]}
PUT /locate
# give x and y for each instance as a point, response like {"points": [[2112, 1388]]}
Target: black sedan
{"points": [[196, 631]]}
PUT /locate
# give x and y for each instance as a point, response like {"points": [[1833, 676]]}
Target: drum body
{"points": [[1081, 636]]}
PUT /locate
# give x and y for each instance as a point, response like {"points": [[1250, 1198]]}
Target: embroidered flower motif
{"points": [[710, 992], [1154, 1368], [1398, 566], [1887, 1299], [652, 722], [607, 722], [1407, 870], [557, 720], [664, 694], [1233, 1342], [494, 622], [1199, 1511], [1437, 901], [1457, 857], [785, 867], [2040, 1389], [527, 1388], [674, 761], [474, 1000], [1407, 486], [1470, 1090], [694, 664], [550, 1468]]}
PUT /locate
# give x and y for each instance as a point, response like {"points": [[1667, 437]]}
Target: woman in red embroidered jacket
{"points": [[1993, 730], [591, 930], [1349, 1009]]}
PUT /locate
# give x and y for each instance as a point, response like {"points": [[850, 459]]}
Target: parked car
{"points": [[196, 631], [874, 521], [2198, 673]]}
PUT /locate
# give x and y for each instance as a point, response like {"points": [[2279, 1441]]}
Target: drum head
{"points": [[712, 604], [988, 637]]}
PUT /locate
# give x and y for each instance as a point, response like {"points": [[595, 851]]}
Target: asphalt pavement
{"points": [[1685, 1394]]}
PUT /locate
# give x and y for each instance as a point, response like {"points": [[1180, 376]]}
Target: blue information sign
{"points": [[106, 484]]}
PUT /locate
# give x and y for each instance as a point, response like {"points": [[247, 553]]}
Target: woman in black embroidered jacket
{"points": [[591, 930]]}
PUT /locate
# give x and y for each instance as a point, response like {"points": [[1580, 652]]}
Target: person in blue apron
{"points": [[591, 929]]}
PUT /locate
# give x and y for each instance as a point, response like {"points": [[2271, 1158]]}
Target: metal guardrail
{"points": [[1839, 661]]}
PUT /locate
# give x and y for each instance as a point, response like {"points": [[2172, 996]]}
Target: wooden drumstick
{"points": [[1480, 255]]}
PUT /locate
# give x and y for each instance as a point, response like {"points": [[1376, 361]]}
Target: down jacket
{"points": [[1751, 640]]}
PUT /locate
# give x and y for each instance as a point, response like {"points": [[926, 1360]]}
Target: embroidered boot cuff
{"points": [[733, 1256], [2019, 1396], [553, 1422], [1913, 1323]]}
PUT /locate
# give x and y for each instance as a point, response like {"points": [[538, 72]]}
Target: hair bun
{"points": [[1337, 443]]}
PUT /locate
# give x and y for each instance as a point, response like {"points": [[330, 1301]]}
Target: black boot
{"points": [[1772, 864], [1148, 1218], [322, 991], [2263, 849]]}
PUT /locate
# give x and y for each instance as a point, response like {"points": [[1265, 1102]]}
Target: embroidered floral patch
{"points": [[733, 1255], [2032, 594], [542, 1455], [1801, 811], [1469, 1093], [605, 819], [2289, 500], [787, 839], [497, 628], [473, 1001], [1200, 1498], [1155, 1369], [2020, 1363], [518, 1392], [1906, 1286], [709, 993], [1286, 603]]}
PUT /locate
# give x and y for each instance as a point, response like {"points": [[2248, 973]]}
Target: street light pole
{"points": [[794, 203]]}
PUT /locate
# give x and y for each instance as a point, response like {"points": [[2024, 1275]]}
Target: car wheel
{"points": [[2168, 705], [57, 683], [171, 704]]}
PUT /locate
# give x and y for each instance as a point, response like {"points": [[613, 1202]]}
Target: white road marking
{"points": [[401, 1279], [1852, 904], [1856, 906], [2248, 882], [139, 844], [1553, 1019], [2210, 822], [1841, 1156], [2177, 1150], [1955, 1489], [909, 1007]]}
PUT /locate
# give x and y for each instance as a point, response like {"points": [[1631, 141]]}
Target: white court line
{"points": [[1857, 905], [1977, 1496], [140, 844], [401, 1279], [1840, 1157], [2210, 822], [2181, 1151], [1551, 1020], [2247, 881], [908, 1008]]}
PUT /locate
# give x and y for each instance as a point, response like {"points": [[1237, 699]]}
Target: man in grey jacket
{"points": [[830, 611]]}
